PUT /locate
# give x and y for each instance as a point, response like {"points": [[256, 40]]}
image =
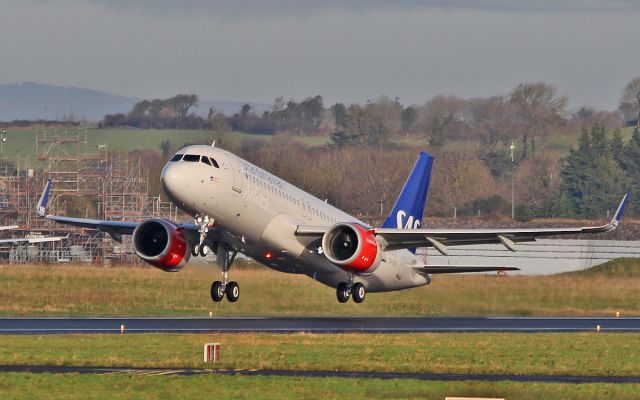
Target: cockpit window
{"points": [[205, 160], [177, 157], [191, 158], [214, 162]]}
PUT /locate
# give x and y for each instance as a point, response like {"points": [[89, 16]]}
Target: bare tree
{"points": [[457, 179], [630, 101], [539, 110], [441, 117]]}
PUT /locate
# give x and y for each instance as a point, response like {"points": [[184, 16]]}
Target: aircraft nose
{"points": [[173, 181]]}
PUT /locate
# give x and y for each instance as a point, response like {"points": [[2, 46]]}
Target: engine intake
{"points": [[161, 244], [352, 247]]}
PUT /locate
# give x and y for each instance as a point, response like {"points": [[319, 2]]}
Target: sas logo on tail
{"points": [[410, 223]]}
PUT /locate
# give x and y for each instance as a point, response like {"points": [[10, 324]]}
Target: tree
{"points": [[630, 162], [340, 115], [458, 178], [592, 179], [440, 117], [181, 103], [539, 110], [244, 111], [630, 101], [408, 118]]}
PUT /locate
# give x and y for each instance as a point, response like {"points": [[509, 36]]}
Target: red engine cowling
{"points": [[161, 244], [352, 247]]}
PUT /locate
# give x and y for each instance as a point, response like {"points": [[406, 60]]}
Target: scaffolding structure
{"points": [[87, 182]]}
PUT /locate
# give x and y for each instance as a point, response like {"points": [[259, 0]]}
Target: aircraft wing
{"points": [[441, 239], [459, 269], [114, 228], [33, 240]]}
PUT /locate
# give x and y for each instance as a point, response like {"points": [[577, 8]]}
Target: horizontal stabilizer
{"points": [[459, 269]]}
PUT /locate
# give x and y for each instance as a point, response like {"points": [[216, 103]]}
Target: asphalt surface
{"points": [[318, 374], [315, 324]]}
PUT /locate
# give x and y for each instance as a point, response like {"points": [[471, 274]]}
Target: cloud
{"points": [[274, 8], [347, 51]]}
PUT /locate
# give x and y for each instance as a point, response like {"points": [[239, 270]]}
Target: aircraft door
{"points": [[238, 176]]}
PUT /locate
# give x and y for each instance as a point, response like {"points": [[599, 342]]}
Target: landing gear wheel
{"points": [[204, 250], [217, 291], [195, 250], [358, 292], [233, 291], [343, 292]]}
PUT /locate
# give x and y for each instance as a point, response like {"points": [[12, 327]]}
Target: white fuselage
{"points": [[259, 214]]}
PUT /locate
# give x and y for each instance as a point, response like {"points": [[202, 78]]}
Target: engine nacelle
{"points": [[352, 247], [161, 244]]}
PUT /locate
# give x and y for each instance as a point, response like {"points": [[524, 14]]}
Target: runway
{"points": [[39, 369], [316, 325]]}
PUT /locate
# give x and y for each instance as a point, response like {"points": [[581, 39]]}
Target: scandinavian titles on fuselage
{"points": [[256, 197]]}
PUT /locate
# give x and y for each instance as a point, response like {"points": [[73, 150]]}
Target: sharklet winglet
{"points": [[618, 215], [44, 199]]}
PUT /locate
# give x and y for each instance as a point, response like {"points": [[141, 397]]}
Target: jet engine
{"points": [[161, 244], [352, 247]]}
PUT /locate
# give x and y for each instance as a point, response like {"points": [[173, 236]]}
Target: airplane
{"points": [[238, 207], [28, 240]]}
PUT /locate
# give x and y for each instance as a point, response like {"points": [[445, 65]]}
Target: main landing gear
{"points": [[346, 290], [225, 287]]}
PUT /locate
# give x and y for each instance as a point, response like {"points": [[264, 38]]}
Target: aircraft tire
{"points": [[195, 249], [342, 292], [217, 293], [233, 291], [204, 250], [358, 292]]}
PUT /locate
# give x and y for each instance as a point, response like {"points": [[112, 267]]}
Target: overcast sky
{"points": [[348, 51]]}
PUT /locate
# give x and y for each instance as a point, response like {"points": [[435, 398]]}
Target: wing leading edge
{"points": [[114, 228], [441, 239]]}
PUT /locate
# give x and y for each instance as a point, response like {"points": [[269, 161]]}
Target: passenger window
{"points": [[177, 157], [205, 160], [214, 162], [191, 158]]}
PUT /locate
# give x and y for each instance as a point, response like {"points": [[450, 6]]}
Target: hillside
{"points": [[30, 101]]}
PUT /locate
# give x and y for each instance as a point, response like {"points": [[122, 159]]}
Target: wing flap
{"points": [[460, 269]]}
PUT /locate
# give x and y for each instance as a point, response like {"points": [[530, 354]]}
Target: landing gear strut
{"points": [[229, 288], [204, 222]]}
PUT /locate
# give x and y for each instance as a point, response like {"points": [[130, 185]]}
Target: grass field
{"points": [[145, 291], [82, 290], [579, 354], [21, 141], [26, 386], [481, 353]]}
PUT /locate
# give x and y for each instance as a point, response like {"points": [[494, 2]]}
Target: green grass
{"points": [[145, 291], [482, 353], [21, 141], [579, 354], [27, 386], [619, 268]]}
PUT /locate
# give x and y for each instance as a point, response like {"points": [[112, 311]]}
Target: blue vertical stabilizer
{"points": [[408, 210]]}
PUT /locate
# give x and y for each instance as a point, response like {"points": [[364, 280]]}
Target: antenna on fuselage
{"points": [[213, 144]]}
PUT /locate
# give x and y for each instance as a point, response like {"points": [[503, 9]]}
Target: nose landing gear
{"points": [[204, 223]]}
